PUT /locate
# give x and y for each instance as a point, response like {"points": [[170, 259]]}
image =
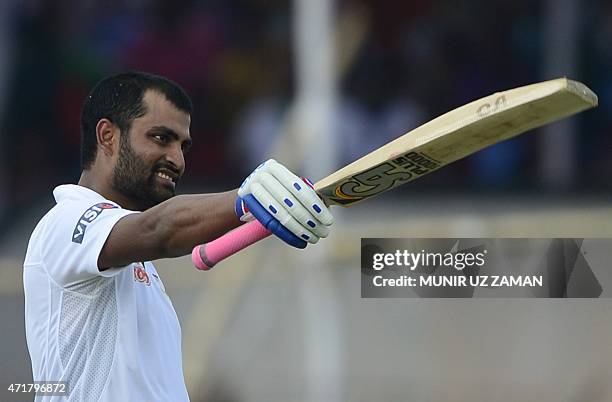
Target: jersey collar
{"points": [[75, 192]]}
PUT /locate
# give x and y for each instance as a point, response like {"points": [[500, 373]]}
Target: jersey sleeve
{"points": [[73, 239]]}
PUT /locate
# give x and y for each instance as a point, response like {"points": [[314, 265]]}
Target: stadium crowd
{"points": [[418, 60]]}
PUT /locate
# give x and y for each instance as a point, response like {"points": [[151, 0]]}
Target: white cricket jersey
{"points": [[111, 335]]}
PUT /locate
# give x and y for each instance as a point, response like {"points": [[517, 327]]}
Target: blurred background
{"points": [[316, 84]]}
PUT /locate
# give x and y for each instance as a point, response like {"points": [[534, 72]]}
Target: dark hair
{"points": [[119, 99]]}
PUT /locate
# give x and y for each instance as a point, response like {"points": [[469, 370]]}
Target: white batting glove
{"points": [[288, 199]]}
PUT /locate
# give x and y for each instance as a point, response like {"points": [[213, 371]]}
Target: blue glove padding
{"points": [[242, 210], [271, 223]]}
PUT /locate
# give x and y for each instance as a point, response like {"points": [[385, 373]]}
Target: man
{"points": [[96, 314]]}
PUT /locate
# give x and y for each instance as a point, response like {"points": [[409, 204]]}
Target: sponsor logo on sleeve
{"points": [[87, 218], [140, 274]]}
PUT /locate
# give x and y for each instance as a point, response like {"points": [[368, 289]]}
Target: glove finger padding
{"points": [[244, 188], [303, 192], [293, 206], [278, 211]]}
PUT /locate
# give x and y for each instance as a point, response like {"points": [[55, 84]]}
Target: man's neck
{"points": [[90, 181]]}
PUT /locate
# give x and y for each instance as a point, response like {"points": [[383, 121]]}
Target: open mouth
{"points": [[167, 177]]}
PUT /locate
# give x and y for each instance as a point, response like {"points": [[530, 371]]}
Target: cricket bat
{"points": [[445, 139]]}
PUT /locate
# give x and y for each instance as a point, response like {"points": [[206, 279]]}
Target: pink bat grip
{"points": [[205, 256]]}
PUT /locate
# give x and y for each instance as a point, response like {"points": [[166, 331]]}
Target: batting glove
{"points": [[285, 204]]}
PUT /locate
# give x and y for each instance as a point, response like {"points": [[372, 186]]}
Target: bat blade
{"points": [[453, 136], [443, 140]]}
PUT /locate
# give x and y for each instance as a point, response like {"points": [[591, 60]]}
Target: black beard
{"points": [[135, 180]]}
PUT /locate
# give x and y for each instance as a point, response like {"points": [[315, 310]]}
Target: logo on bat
{"points": [[488, 108], [383, 177], [88, 217]]}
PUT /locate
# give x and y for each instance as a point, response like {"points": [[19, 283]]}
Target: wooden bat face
{"points": [[455, 135]]}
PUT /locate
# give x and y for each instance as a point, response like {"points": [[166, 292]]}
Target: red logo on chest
{"points": [[140, 274]]}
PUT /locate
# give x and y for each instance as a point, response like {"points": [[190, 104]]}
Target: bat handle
{"points": [[205, 256]]}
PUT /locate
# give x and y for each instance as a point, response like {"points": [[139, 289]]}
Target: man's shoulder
{"points": [[72, 212], [73, 208]]}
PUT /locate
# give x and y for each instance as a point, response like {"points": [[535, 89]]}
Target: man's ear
{"points": [[107, 134]]}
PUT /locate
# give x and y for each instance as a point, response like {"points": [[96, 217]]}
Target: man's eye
{"points": [[161, 138]]}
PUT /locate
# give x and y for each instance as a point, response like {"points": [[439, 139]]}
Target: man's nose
{"points": [[176, 157]]}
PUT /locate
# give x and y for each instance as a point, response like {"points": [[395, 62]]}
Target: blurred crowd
{"points": [[417, 60]]}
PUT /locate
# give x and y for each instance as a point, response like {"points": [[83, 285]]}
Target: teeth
{"points": [[164, 176]]}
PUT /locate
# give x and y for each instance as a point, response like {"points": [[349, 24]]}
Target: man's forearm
{"points": [[187, 220], [170, 229]]}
